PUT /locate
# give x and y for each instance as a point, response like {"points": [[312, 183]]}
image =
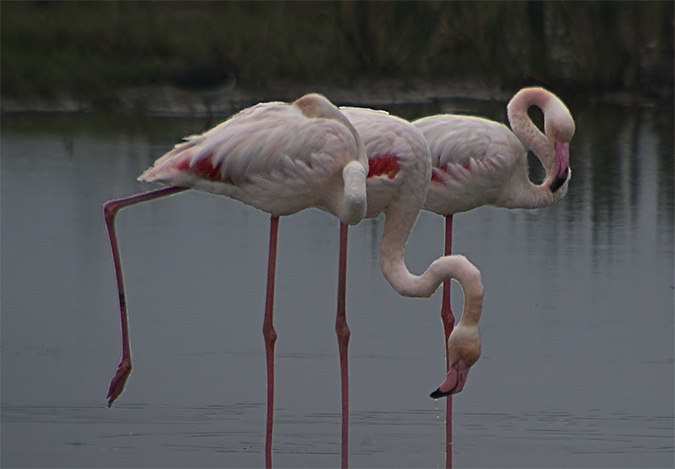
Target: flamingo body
{"points": [[479, 162], [398, 162], [399, 175], [277, 157]]}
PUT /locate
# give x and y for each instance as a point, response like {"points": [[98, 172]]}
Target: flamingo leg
{"points": [[446, 311], [110, 209], [270, 336], [343, 334], [448, 324]]}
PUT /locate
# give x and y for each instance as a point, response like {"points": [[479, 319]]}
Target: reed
{"points": [[90, 48]]}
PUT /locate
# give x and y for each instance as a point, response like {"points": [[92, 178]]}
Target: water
{"points": [[577, 326]]}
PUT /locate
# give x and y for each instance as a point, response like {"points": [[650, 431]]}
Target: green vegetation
{"points": [[93, 48]]}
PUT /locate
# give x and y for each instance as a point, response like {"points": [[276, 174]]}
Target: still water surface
{"points": [[577, 326]]}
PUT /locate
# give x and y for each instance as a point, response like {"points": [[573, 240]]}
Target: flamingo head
{"points": [[317, 106], [454, 381], [463, 351]]}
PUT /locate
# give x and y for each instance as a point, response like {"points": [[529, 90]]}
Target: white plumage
{"points": [[398, 179], [280, 158], [479, 162]]}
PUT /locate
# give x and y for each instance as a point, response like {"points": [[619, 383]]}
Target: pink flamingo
{"points": [[481, 162], [398, 179], [397, 183], [277, 157]]}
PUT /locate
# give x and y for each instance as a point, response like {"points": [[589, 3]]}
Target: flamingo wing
{"points": [[397, 157], [471, 142], [472, 160], [270, 156]]}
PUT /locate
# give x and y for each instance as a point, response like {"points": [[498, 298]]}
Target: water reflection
{"points": [[578, 297], [208, 435]]}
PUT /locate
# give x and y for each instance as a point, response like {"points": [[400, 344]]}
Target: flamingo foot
{"points": [[118, 381], [454, 381]]}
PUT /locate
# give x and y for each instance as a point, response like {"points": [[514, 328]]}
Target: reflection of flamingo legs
{"points": [[270, 337], [343, 334]]}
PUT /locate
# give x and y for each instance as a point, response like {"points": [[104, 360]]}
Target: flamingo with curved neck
{"points": [[397, 184], [478, 162]]}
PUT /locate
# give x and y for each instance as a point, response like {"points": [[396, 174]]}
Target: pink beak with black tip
{"points": [[562, 165], [454, 381]]}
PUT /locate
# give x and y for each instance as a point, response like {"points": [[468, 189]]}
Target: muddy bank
{"points": [[171, 101]]}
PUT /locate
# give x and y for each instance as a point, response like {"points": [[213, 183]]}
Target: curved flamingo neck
{"points": [[532, 195], [550, 147], [472, 289], [524, 128], [352, 208], [397, 229]]}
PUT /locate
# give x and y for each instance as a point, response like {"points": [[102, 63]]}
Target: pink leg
{"points": [[270, 338], [343, 334], [448, 324], [110, 209]]}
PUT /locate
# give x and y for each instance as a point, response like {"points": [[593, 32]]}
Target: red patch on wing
{"points": [[383, 165], [203, 169], [182, 165]]}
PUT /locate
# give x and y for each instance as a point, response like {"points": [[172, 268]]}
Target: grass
{"points": [[91, 48]]}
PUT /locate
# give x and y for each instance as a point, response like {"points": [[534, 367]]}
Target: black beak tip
{"points": [[437, 394], [558, 182]]}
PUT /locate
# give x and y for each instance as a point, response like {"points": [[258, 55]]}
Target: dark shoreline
{"points": [[168, 101]]}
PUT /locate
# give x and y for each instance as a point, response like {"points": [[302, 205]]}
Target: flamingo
{"points": [[277, 157], [398, 180], [479, 162]]}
